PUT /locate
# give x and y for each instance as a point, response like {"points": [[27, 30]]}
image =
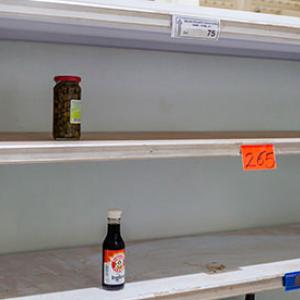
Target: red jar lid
{"points": [[67, 78]]}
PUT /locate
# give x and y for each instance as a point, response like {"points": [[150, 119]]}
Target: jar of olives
{"points": [[67, 108]]}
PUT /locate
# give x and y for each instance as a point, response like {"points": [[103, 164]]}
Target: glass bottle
{"points": [[113, 264], [67, 108]]}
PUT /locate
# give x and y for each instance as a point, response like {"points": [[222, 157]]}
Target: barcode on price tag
{"points": [[195, 28], [258, 157]]}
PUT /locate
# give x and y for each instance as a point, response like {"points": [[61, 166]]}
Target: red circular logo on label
{"points": [[118, 263]]}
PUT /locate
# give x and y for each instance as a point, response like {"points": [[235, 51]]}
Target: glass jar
{"points": [[67, 108]]}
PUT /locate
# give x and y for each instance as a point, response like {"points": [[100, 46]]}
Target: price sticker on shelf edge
{"points": [[195, 28], [258, 157]]}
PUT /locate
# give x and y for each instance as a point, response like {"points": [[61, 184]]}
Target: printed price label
{"points": [[197, 28], [258, 157]]}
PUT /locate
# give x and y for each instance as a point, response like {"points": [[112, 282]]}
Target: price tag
{"points": [[195, 28], [258, 157]]}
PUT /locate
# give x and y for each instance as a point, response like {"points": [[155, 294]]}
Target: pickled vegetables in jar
{"points": [[67, 108]]}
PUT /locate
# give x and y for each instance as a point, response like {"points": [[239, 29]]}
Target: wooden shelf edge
{"points": [[35, 148], [155, 135]]}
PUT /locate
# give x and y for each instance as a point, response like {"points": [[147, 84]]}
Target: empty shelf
{"points": [[209, 266], [147, 25]]}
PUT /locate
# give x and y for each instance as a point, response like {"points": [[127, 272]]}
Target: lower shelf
{"points": [[211, 266]]}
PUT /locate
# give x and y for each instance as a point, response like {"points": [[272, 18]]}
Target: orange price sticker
{"points": [[258, 157]]}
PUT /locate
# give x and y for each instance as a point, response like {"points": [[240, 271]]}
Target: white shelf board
{"points": [[35, 148], [247, 261], [147, 25]]}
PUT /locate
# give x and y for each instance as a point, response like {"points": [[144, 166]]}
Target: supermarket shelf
{"points": [[39, 147], [210, 266], [147, 25]]}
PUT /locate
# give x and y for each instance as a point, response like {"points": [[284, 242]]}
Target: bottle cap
{"points": [[114, 214], [71, 78]]}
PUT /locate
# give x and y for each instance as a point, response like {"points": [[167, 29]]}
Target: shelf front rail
{"points": [[147, 25], [64, 151]]}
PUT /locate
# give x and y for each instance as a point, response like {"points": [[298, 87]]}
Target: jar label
{"points": [[75, 112], [114, 267]]}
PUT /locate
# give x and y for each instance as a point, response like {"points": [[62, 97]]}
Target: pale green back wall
{"points": [[49, 206]]}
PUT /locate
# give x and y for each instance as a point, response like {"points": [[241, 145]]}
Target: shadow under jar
{"points": [[67, 108]]}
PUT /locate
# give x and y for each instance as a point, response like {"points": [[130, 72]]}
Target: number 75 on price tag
{"points": [[258, 157]]}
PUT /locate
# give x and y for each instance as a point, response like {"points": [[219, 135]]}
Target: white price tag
{"points": [[195, 28]]}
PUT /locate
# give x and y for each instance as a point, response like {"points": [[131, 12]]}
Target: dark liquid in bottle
{"points": [[113, 266]]}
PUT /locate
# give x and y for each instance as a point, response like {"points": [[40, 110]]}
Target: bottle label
{"points": [[114, 267], [75, 112]]}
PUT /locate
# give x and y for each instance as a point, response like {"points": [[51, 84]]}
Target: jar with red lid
{"points": [[67, 108]]}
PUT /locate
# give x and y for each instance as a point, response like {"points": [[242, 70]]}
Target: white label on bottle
{"points": [[114, 267], [75, 112], [195, 28]]}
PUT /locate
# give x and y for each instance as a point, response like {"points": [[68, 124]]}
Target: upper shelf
{"points": [[39, 147], [147, 25], [204, 267]]}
